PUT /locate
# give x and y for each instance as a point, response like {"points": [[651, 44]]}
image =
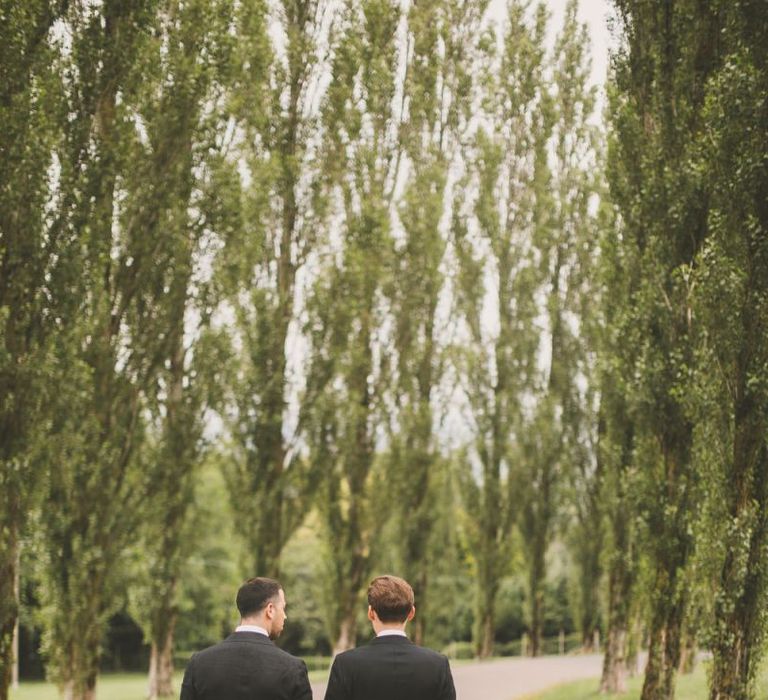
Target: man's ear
{"points": [[371, 614], [411, 614], [269, 610]]}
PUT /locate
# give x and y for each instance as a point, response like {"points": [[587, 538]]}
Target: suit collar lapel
{"points": [[391, 639]]}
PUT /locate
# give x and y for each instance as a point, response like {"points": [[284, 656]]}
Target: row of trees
{"points": [[373, 245], [684, 360], [230, 206]]}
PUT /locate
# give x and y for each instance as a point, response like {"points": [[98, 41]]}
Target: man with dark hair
{"points": [[390, 666], [247, 665]]}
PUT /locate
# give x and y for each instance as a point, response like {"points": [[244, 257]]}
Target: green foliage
{"points": [[181, 116], [498, 368], [344, 387], [440, 37], [617, 343], [687, 191], [305, 631], [730, 394], [282, 207], [524, 258], [579, 189], [124, 190], [656, 114], [33, 280]]}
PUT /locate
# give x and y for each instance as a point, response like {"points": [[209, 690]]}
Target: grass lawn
{"points": [[692, 687], [113, 686], [133, 686]]}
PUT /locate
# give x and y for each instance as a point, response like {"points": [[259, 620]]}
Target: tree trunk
{"points": [[162, 630], [78, 655], [487, 586], [730, 674], [73, 691], [589, 581], [9, 606], [418, 516], [79, 687], [536, 593], [617, 657], [419, 629], [485, 625], [420, 595], [735, 651], [688, 650], [663, 654], [742, 586], [634, 644], [15, 668], [671, 550], [15, 645], [347, 634], [485, 650], [653, 685], [161, 665], [537, 612], [614, 678]]}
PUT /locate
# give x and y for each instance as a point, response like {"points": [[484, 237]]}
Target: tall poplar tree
{"points": [[560, 436], [181, 109], [275, 102], [670, 51], [344, 386], [587, 538], [496, 278], [33, 280], [618, 341], [579, 169], [113, 204], [438, 92], [731, 387]]}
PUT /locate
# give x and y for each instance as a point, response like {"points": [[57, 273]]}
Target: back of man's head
{"points": [[254, 595], [391, 598]]}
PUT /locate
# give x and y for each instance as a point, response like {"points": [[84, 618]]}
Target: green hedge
{"points": [[550, 645]]}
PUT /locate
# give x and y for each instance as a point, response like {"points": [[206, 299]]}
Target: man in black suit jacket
{"points": [[390, 667], [247, 665]]}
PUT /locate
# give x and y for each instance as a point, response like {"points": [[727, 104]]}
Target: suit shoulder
{"points": [[344, 656], [212, 650], [430, 654], [275, 652], [289, 658], [351, 657], [204, 658]]}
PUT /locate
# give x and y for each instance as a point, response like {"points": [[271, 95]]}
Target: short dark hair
{"points": [[255, 593], [391, 598]]}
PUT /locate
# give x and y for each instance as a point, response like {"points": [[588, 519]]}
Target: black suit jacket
{"points": [[390, 668], [245, 666]]}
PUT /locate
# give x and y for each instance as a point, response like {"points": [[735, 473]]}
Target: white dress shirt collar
{"points": [[392, 633], [252, 628]]}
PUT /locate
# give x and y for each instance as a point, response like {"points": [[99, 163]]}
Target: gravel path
{"points": [[508, 679]]}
